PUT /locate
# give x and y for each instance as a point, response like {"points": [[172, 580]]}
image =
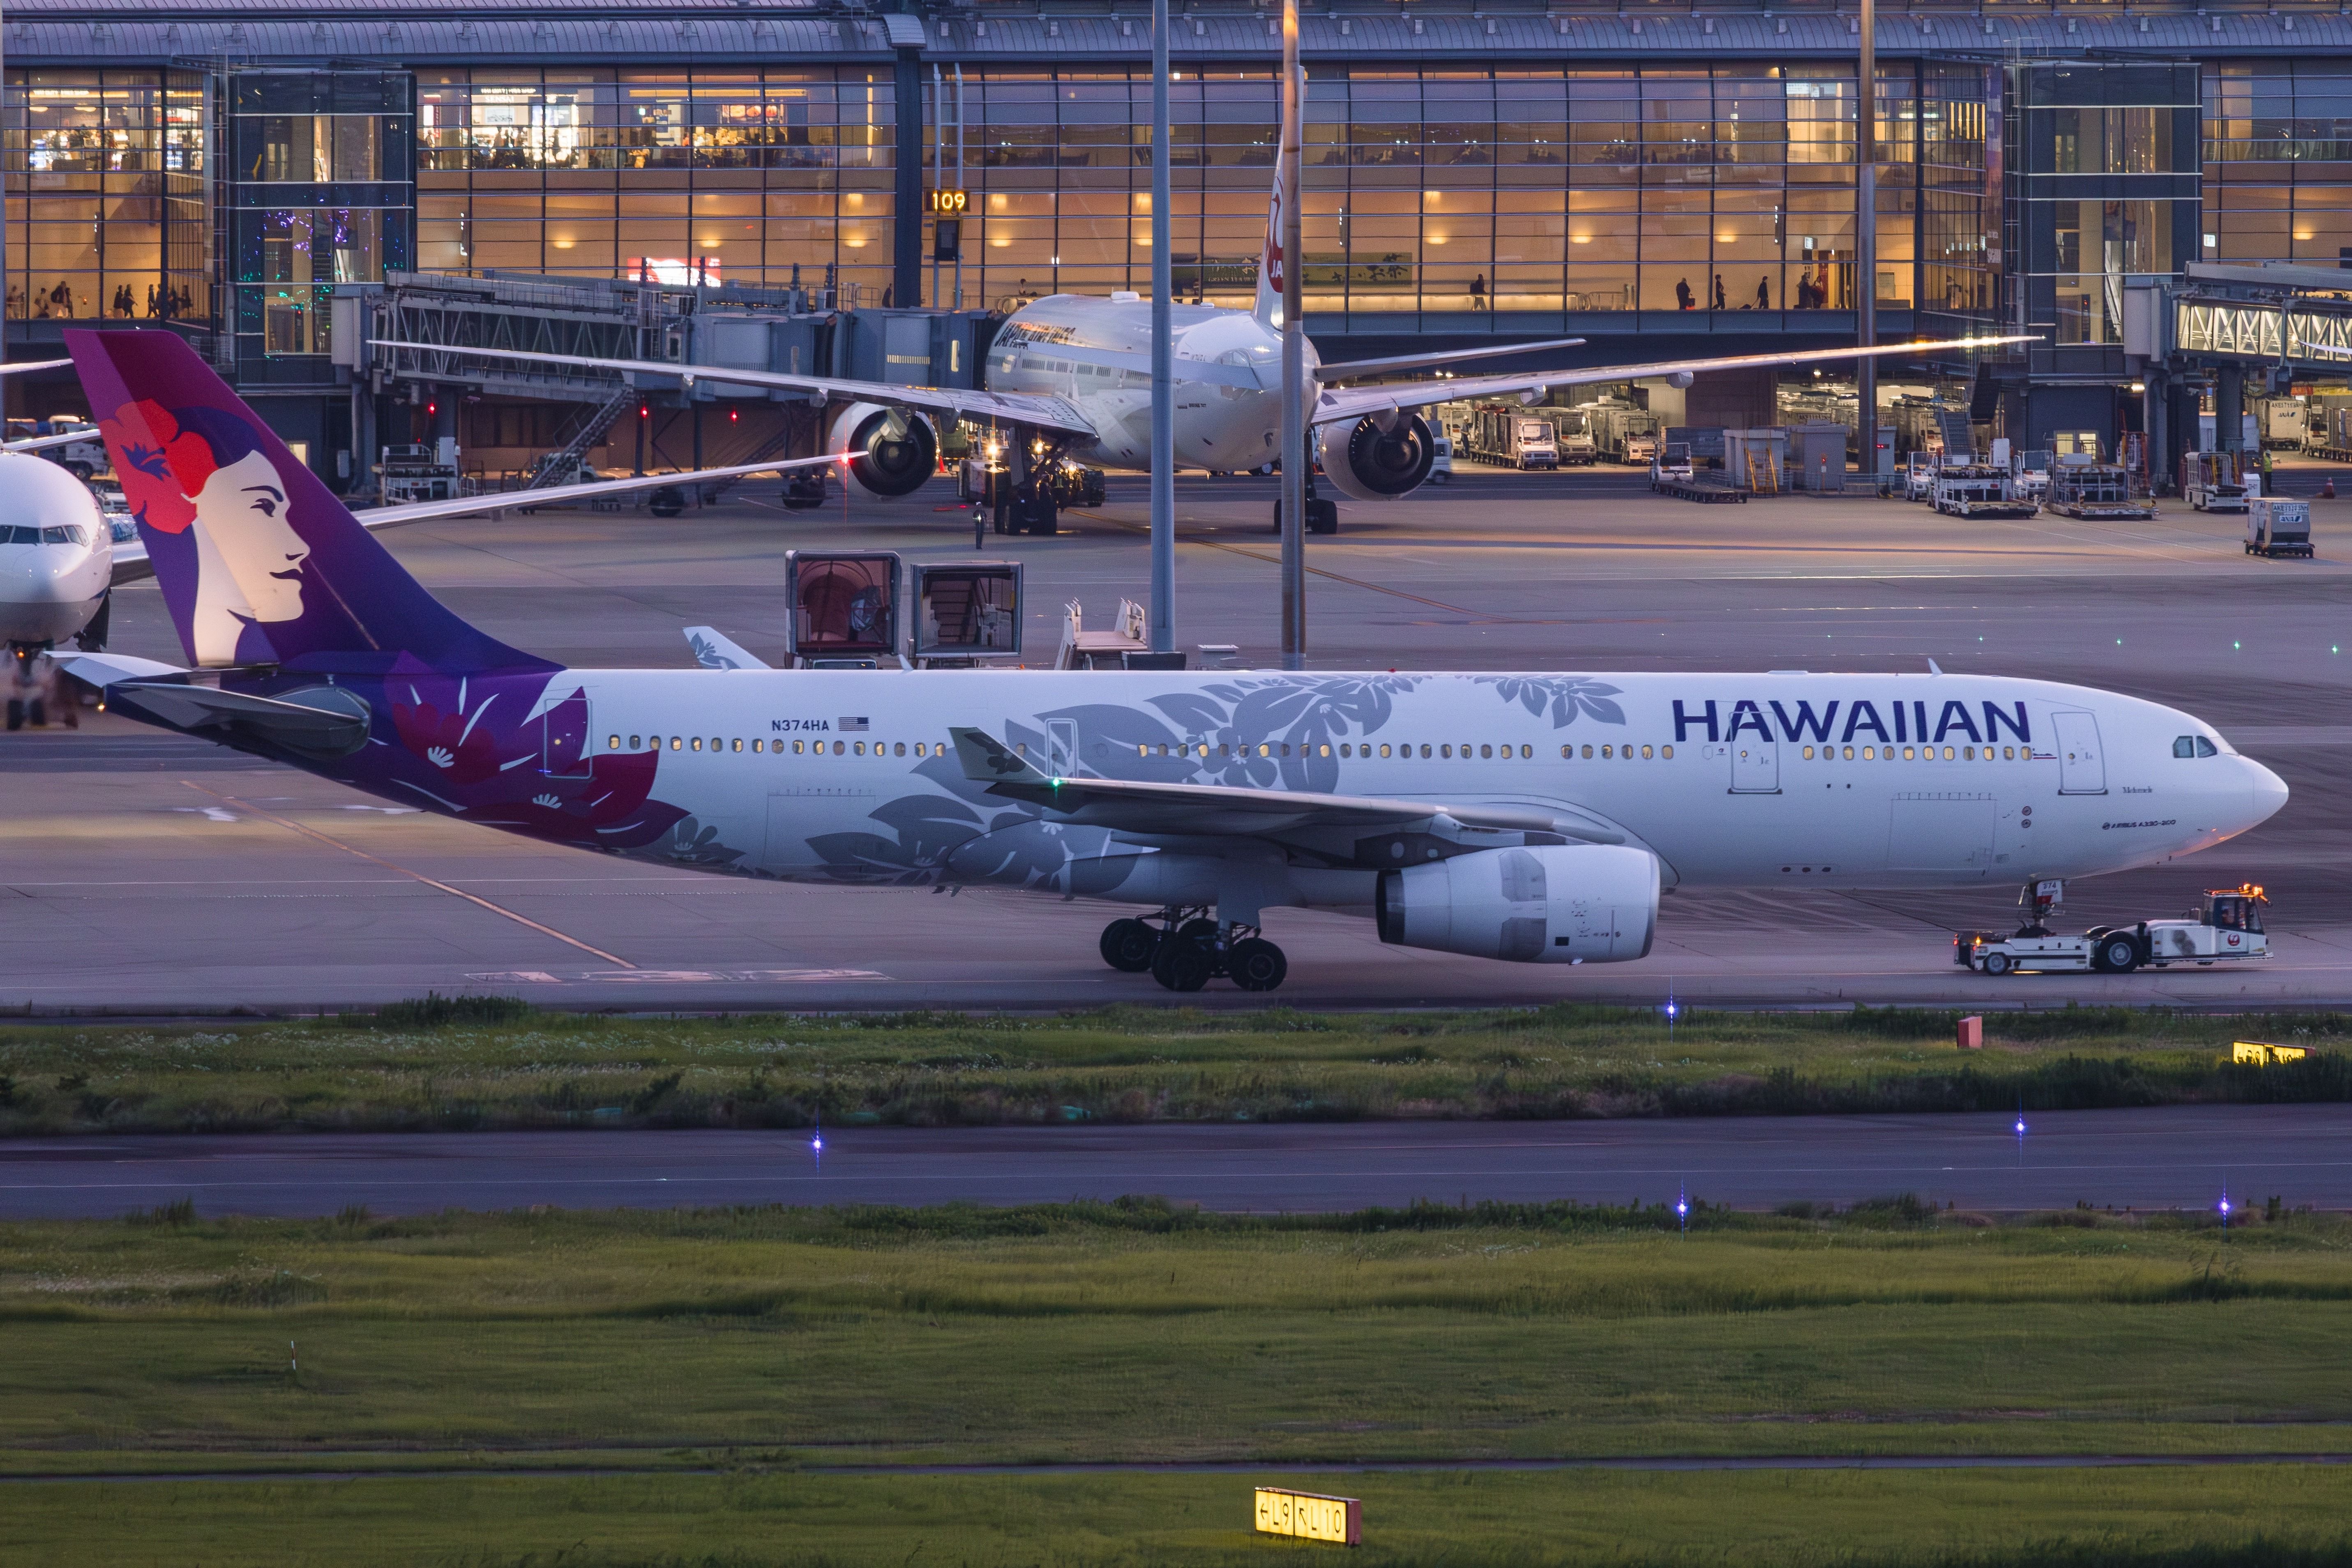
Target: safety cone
{"points": [[2327, 488]]}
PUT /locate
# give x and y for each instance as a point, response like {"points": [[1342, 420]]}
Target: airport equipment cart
{"points": [[1981, 490], [2275, 526], [2090, 489], [2214, 481]]}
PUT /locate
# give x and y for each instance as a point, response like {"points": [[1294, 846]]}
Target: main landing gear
{"points": [[1185, 953]]}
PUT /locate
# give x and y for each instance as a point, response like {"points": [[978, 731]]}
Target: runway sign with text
{"points": [[1309, 1516]]}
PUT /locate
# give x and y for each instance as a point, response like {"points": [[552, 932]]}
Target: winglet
{"points": [[1935, 668], [714, 651], [987, 760]]}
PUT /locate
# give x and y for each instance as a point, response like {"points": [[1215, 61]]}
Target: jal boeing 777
{"points": [[1070, 375], [1529, 816]]}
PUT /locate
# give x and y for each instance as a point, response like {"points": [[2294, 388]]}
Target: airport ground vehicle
{"points": [[1979, 489], [1441, 464], [1919, 472], [79, 459], [1575, 440], [1623, 433], [1509, 435], [2226, 927], [2030, 471], [2284, 423], [2275, 526], [1673, 461], [2214, 481], [2081, 488]]}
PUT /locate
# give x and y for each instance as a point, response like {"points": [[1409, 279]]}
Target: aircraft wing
{"points": [[555, 495], [131, 562], [35, 443], [17, 367], [1175, 810], [1349, 369], [1026, 409], [1334, 404]]}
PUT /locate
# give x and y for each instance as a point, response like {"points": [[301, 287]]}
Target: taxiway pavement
{"points": [[2168, 1158], [145, 873]]}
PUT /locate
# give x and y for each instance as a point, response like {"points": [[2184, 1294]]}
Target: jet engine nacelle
{"points": [[1680, 378], [891, 451], [1576, 903], [1365, 462]]}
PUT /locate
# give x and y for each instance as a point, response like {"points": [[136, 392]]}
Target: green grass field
{"points": [[730, 1361], [2258, 1517], [488, 1064]]}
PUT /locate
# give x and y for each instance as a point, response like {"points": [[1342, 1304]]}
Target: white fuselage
{"points": [[1096, 354], [1788, 780], [56, 554]]}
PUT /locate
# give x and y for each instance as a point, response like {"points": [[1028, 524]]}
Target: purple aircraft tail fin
{"points": [[258, 561]]}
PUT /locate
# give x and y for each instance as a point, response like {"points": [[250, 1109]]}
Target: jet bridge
{"points": [[813, 331], [2216, 325]]}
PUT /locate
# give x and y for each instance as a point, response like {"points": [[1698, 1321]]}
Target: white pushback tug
{"points": [[2227, 928]]}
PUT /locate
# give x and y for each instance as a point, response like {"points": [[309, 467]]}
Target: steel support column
{"points": [[907, 217], [1163, 354]]}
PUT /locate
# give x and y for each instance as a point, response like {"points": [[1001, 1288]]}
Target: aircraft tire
{"points": [[1256, 965], [1186, 968], [1129, 946]]}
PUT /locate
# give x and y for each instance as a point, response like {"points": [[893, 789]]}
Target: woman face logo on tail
{"points": [[201, 471]]}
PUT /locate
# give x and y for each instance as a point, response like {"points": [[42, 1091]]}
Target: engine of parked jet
{"points": [[891, 451], [1576, 903], [1365, 462]]}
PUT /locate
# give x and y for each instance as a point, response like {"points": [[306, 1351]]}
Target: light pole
{"points": [[1293, 359], [1866, 242], [1163, 356]]}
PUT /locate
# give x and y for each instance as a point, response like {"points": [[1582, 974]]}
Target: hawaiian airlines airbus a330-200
{"points": [[1531, 816], [1070, 376]]}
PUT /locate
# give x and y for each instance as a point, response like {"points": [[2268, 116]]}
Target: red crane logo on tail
{"points": [[1274, 245]]}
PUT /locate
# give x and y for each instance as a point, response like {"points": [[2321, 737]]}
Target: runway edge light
{"points": [[1310, 1516]]}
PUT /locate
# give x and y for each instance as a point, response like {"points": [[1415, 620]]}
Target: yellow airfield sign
{"points": [[1309, 1516]]}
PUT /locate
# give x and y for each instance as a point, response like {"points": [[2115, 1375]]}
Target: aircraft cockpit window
{"points": [[2194, 746], [20, 536], [64, 533], [2206, 748]]}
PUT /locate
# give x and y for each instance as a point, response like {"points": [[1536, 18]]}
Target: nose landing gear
{"points": [[1186, 949]]}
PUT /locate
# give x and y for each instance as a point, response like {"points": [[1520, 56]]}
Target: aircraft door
{"points": [[2082, 769], [1755, 766], [1061, 747], [564, 752]]}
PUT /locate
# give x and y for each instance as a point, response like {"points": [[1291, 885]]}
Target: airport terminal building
{"points": [[1660, 179]]}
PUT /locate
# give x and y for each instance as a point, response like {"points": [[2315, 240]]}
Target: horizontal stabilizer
{"points": [[714, 651], [326, 720], [102, 669]]}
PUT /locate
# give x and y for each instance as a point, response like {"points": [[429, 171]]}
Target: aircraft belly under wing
{"points": [[1331, 824], [1030, 410], [1334, 405]]}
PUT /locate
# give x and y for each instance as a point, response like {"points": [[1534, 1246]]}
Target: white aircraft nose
{"points": [[2268, 791]]}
